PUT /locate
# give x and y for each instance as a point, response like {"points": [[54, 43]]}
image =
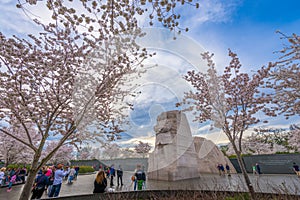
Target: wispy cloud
{"points": [[135, 140], [210, 11], [13, 20], [216, 11]]}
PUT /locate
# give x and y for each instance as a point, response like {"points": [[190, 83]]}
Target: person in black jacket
{"points": [[120, 175], [296, 169], [100, 182], [39, 187]]}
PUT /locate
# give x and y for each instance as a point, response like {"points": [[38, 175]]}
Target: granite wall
{"points": [[270, 164], [128, 164]]}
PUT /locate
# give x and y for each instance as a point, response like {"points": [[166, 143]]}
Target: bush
{"points": [[94, 159], [286, 152], [282, 152], [232, 156], [16, 166], [86, 169]]}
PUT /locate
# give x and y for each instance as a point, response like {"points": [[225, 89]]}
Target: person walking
{"points": [[2, 175], [227, 169], [140, 177], [100, 182], [39, 186], [68, 169], [58, 179], [120, 175], [133, 181], [107, 171], [71, 175], [11, 181], [257, 168], [222, 169], [22, 174], [296, 169], [219, 169], [5, 181], [254, 170], [112, 175], [76, 172], [50, 180]]}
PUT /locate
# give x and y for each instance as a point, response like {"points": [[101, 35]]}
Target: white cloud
{"points": [[172, 60], [135, 140], [216, 11], [7, 1]]}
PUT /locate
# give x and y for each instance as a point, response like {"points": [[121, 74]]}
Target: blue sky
{"points": [[249, 29], [246, 26]]}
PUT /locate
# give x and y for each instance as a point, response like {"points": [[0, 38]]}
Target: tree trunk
{"points": [[244, 172], [26, 192]]}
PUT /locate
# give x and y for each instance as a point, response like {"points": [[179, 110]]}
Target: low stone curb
{"points": [[3, 186], [88, 173], [177, 194]]}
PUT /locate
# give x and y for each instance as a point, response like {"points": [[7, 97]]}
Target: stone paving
{"points": [[263, 183]]}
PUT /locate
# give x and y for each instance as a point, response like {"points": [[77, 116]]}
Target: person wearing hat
{"points": [[58, 179]]}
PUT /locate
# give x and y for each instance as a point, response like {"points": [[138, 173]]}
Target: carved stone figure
{"points": [[177, 155]]}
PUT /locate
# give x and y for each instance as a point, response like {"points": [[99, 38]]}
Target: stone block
{"points": [[177, 155]]}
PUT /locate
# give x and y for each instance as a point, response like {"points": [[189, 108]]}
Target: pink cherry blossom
{"points": [[230, 100]]}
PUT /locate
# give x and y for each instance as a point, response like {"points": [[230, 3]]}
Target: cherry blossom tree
{"points": [[128, 153], [142, 148], [269, 141], [230, 101], [85, 153], [70, 75], [63, 155], [95, 153], [111, 150], [285, 77], [14, 151]]}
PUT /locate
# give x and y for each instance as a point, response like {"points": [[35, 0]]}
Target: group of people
{"points": [[139, 178], [50, 179], [110, 172], [11, 176], [222, 169], [100, 182]]}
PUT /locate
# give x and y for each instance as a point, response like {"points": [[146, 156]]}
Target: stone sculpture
{"points": [[177, 155]]}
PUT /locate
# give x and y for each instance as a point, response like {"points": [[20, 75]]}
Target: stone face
{"points": [[177, 155], [174, 157]]}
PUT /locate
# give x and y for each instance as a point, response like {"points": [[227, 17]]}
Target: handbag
{"points": [[33, 187]]}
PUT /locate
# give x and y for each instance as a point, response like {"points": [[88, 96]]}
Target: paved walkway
{"points": [[263, 183]]}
